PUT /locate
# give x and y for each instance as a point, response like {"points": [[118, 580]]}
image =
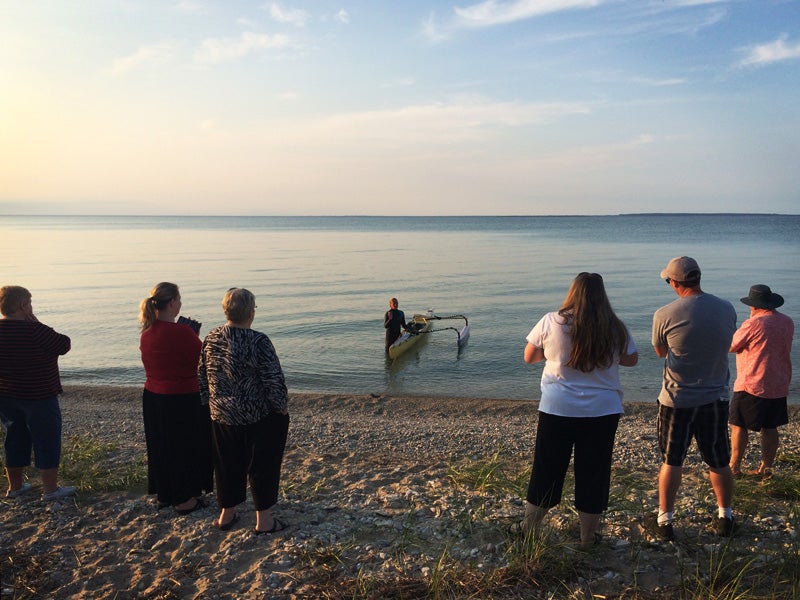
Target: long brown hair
{"points": [[160, 296], [597, 334]]}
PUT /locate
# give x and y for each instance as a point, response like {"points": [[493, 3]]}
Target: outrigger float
{"points": [[422, 324]]}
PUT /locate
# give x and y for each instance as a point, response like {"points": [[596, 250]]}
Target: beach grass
{"points": [[550, 564], [93, 465]]}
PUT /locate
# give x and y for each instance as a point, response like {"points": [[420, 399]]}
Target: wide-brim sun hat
{"points": [[761, 296]]}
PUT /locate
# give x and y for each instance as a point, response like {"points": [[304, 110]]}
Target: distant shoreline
{"points": [[349, 216]]}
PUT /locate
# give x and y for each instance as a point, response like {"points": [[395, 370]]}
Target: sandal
{"points": [[227, 526], [198, 504], [277, 525]]}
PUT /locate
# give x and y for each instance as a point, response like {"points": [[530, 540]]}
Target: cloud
{"points": [[682, 3], [659, 82], [159, 52], [494, 12], [766, 54], [218, 50], [190, 7], [342, 16], [296, 16], [432, 31], [442, 123], [407, 81], [491, 13]]}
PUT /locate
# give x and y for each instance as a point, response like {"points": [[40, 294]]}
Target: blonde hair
{"points": [[161, 295], [11, 296], [238, 304]]}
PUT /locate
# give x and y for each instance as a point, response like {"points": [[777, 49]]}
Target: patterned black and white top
{"points": [[240, 376]]}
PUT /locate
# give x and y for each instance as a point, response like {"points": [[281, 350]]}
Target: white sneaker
{"points": [[26, 487], [60, 492]]}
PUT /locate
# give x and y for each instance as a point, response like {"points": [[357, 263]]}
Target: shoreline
{"points": [[378, 491], [629, 399]]}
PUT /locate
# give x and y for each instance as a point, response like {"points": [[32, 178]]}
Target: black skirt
{"points": [[177, 429]]}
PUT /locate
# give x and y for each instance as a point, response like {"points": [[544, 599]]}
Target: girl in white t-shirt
{"points": [[582, 345]]}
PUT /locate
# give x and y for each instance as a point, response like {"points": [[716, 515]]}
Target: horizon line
{"points": [[389, 216]]}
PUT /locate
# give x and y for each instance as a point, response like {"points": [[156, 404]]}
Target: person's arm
{"points": [[630, 355], [50, 340], [740, 338], [658, 337], [272, 377], [533, 354], [387, 319]]}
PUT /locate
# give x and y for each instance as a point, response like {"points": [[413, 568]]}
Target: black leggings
{"points": [[593, 440], [249, 452]]}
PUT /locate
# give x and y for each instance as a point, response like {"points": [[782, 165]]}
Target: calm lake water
{"points": [[323, 283]]}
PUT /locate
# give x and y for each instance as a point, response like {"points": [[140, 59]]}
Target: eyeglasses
{"points": [[667, 280]]}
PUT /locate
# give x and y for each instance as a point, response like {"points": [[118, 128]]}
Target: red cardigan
{"points": [[171, 355]]}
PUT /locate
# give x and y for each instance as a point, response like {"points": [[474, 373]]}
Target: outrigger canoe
{"points": [[422, 324], [419, 324]]}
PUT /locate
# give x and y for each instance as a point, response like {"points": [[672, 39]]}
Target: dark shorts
{"points": [[592, 439], [32, 426], [755, 414], [708, 424]]}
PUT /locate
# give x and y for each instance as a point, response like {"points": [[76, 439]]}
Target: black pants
{"points": [[391, 336], [593, 440], [249, 452], [177, 431]]}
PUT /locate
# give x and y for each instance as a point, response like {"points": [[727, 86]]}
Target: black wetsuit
{"points": [[394, 321]]}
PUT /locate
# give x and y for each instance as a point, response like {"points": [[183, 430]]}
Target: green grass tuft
{"points": [[90, 465]]}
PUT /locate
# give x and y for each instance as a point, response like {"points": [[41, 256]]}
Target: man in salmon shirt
{"points": [[763, 346]]}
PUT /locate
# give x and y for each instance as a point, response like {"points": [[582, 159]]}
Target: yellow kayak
{"points": [[418, 325]]}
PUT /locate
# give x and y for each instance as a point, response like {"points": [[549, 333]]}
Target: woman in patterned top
{"points": [[241, 377]]}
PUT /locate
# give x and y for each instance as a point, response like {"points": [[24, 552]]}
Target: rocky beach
{"points": [[391, 497]]}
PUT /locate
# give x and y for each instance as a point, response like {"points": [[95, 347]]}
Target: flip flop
{"points": [[227, 526], [277, 525], [198, 504]]}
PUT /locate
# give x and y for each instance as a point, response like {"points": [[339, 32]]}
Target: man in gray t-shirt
{"points": [[693, 335]]}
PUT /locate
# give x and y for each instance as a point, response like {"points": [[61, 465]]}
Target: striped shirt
{"points": [[240, 376], [29, 353]]}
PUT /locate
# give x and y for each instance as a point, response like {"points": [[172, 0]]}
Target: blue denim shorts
{"points": [[32, 426]]}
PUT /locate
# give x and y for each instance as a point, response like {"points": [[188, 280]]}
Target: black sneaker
{"points": [[723, 527], [663, 533]]}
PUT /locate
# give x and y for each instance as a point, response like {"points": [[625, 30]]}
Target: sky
{"points": [[373, 107]]}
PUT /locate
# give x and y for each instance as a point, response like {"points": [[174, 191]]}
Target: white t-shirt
{"points": [[568, 392]]}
